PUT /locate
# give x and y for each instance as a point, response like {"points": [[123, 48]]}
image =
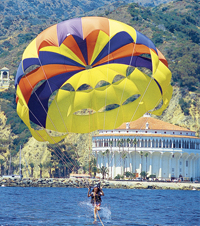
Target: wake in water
{"points": [[104, 213]]}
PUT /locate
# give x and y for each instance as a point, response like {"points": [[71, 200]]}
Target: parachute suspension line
{"points": [[89, 143], [54, 99], [107, 77], [42, 127], [40, 103], [125, 84]]}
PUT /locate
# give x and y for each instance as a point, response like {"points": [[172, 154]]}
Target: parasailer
{"points": [[87, 74]]}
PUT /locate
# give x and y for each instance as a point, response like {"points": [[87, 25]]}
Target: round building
{"points": [[159, 148]]}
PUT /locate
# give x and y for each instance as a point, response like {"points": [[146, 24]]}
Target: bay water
{"points": [[71, 206]]}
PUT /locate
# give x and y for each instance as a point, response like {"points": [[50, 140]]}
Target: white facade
{"points": [[162, 152], [4, 78]]}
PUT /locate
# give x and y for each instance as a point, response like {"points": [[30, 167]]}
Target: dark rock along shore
{"points": [[84, 183]]}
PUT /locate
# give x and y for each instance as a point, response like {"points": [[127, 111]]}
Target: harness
{"points": [[96, 198]]}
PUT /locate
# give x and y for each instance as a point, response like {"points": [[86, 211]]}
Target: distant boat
{"points": [[194, 189]]}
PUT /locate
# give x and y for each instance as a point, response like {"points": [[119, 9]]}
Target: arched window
{"points": [[149, 143], [163, 143], [179, 144], [170, 144], [145, 143], [142, 143], [138, 143], [153, 143], [160, 143], [156, 143]]}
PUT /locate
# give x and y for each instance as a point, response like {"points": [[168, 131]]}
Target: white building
{"points": [[4, 78], [165, 150]]}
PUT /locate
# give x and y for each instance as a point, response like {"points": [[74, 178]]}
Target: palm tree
{"points": [[60, 166], [119, 145], [107, 152], [41, 166], [135, 143], [128, 142], [32, 166], [124, 157], [111, 144], [141, 154], [103, 154], [103, 171], [146, 154], [49, 166], [2, 166]]}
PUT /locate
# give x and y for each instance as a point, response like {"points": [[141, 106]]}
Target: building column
{"points": [[150, 163], [170, 165], [160, 170], [190, 165], [193, 168], [178, 165], [130, 162]]}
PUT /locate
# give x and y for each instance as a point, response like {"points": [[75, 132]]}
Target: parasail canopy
{"points": [[88, 74]]}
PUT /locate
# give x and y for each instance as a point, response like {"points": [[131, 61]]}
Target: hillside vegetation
{"points": [[174, 28]]}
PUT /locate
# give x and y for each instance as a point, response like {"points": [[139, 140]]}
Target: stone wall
{"points": [[84, 183]]}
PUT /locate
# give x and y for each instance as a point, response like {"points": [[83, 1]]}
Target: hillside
{"points": [[175, 29]]}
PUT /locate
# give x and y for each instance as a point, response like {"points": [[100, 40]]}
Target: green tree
{"points": [[143, 174], [146, 154], [103, 171], [135, 144], [111, 145], [128, 140], [141, 155], [107, 153], [124, 156], [49, 166], [32, 167], [41, 166], [2, 166]]}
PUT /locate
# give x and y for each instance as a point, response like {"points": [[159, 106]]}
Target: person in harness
{"points": [[95, 195]]}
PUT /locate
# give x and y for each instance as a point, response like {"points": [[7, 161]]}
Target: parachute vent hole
{"points": [[37, 85], [129, 70], [86, 111], [31, 69], [67, 87], [145, 70], [102, 84], [146, 55], [131, 99], [52, 97], [84, 87], [118, 78], [109, 107], [158, 106]]}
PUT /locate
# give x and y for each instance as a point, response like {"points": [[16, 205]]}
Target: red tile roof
{"points": [[154, 124]]}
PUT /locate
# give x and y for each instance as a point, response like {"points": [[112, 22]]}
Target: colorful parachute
{"points": [[87, 74]]}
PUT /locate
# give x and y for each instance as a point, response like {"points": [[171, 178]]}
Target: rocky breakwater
{"points": [[84, 183]]}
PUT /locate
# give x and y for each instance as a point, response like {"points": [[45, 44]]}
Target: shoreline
{"points": [[84, 183]]}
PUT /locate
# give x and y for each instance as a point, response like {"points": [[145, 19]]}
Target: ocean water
{"points": [[71, 206]]}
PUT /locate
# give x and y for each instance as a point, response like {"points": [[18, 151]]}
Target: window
{"points": [[186, 163], [180, 163], [155, 131], [165, 132], [180, 170], [172, 169]]}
